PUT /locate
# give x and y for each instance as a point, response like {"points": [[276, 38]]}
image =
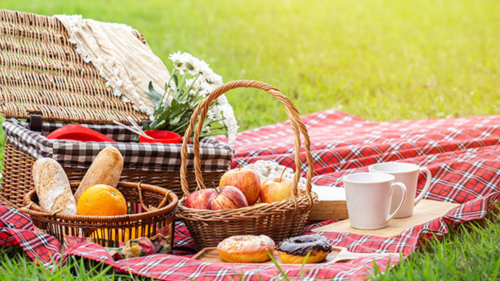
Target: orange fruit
{"points": [[101, 200]]}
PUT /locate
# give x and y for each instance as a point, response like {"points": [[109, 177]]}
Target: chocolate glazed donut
{"points": [[295, 249]]}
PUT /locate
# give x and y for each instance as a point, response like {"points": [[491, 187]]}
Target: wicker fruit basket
{"points": [[278, 220], [42, 75], [110, 230]]}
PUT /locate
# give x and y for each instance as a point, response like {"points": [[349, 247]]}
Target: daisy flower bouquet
{"points": [[190, 82]]}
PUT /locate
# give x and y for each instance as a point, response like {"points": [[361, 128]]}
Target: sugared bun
{"points": [[246, 249]]}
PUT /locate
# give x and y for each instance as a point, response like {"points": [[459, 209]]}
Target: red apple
{"points": [[227, 197], [246, 180], [199, 199], [276, 189]]}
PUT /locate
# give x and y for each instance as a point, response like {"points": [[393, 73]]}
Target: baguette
{"points": [[52, 187], [106, 169]]}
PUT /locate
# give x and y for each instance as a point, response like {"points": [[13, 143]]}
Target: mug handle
{"points": [[403, 188], [426, 187]]}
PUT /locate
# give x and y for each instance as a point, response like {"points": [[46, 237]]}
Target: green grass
{"points": [[380, 60], [16, 265], [470, 252]]}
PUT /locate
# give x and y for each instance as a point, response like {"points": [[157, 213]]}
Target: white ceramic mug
{"points": [[368, 197], [406, 173]]}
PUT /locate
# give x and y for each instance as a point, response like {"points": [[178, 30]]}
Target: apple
{"points": [[246, 180], [227, 197], [199, 199], [276, 189]]}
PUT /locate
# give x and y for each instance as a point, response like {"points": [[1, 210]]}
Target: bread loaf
{"points": [[106, 169], [52, 187]]}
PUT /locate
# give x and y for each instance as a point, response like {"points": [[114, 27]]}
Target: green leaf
{"points": [[278, 266], [154, 95], [303, 264], [176, 119], [176, 80]]}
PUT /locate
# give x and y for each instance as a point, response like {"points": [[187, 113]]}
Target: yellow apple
{"points": [[276, 189]]}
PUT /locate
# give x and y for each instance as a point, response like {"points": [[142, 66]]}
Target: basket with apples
{"points": [[241, 205]]}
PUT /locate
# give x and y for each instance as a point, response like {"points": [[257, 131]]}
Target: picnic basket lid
{"points": [[42, 73]]}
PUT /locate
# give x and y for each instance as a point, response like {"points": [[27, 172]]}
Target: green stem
{"points": [[216, 128], [184, 124], [191, 86], [183, 81], [167, 86], [212, 134]]}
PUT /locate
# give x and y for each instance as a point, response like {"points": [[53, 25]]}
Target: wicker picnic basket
{"points": [[110, 230], [42, 77], [278, 220]]}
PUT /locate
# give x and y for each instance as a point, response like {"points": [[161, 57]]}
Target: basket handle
{"points": [[27, 209], [295, 121]]}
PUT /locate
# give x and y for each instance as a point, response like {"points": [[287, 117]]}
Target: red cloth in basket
{"points": [[463, 155]]}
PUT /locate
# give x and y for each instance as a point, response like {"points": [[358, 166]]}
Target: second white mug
{"points": [[406, 173]]}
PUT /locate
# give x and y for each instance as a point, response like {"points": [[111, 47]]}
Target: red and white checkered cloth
{"points": [[463, 154]]}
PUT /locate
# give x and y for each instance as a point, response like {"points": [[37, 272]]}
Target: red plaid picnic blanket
{"points": [[463, 154]]}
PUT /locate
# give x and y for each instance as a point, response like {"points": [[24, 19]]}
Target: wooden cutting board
{"points": [[338, 254], [425, 211]]}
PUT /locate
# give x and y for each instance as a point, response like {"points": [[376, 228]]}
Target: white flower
{"points": [[203, 86], [203, 67], [195, 85], [177, 58], [211, 114], [191, 63], [217, 112], [185, 62], [229, 119], [203, 93], [207, 73], [214, 80]]}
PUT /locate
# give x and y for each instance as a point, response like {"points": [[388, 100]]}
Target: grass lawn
{"points": [[379, 60]]}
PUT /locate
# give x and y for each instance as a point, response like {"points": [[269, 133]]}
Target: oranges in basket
{"points": [[102, 200]]}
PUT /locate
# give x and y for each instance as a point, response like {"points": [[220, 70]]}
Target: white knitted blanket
{"points": [[120, 57], [269, 169]]}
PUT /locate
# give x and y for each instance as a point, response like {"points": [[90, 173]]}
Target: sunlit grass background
{"points": [[380, 60]]}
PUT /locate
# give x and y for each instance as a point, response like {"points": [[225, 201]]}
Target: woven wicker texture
{"points": [[18, 180], [41, 72], [278, 220], [7, 203], [108, 231]]}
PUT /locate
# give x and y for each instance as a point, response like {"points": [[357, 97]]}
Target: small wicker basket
{"points": [[278, 220], [110, 230]]}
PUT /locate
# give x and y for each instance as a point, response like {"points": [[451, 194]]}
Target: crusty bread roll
{"points": [[52, 187], [106, 169]]}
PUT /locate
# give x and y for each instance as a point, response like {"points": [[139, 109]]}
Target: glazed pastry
{"points": [[246, 249], [295, 249]]}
